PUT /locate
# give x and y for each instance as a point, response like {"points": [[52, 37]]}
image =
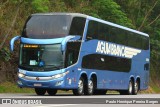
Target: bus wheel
{"points": [[51, 92], [90, 87], [129, 91], [136, 88], [40, 91], [80, 89], [130, 88]]}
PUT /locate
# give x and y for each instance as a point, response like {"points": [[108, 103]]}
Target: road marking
{"points": [[56, 105]]}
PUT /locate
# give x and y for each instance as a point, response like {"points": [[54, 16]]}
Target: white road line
{"points": [[56, 105]]}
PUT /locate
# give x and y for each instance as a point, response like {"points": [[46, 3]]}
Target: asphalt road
{"points": [[68, 100]]}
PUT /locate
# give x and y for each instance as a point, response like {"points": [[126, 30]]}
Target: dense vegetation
{"points": [[142, 15]]}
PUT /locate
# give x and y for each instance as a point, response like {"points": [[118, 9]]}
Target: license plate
{"points": [[37, 85]]}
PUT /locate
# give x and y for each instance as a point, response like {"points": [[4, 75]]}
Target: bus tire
{"points": [[51, 92], [129, 91], [80, 89], [40, 91], [130, 88], [90, 87], [136, 88]]}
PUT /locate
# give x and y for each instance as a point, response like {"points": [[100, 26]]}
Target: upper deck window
{"points": [[47, 26], [53, 26], [77, 26], [105, 32]]}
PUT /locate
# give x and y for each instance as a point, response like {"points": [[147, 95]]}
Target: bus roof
{"points": [[71, 14], [95, 19]]}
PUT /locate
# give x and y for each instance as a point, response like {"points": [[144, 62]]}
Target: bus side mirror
{"points": [[12, 42]]}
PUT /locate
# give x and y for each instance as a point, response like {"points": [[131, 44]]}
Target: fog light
{"points": [[19, 82], [59, 83]]}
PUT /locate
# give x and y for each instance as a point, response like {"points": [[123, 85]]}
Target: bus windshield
{"points": [[47, 26], [41, 57]]}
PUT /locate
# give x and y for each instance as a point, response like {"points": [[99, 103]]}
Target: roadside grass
{"points": [[8, 87], [156, 89], [154, 80], [154, 83], [148, 91], [155, 86]]}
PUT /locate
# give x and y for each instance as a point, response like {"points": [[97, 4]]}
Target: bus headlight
{"points": [[60, 75], [21, 75]]}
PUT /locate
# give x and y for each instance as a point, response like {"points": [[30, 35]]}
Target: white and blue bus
{"points": [[72, 51]]}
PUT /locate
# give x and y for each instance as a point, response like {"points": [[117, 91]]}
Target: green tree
{"points": [[40, 5], [111, 11]]}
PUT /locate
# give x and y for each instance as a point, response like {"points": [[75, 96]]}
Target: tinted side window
{"points": [[113, 35], [101, 31], [72, 53], [145, 43], [104, 62], [77, 26], [132, 39], [92, 32]]}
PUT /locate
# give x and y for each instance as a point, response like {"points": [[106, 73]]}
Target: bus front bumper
{"points": [[41, 82]]}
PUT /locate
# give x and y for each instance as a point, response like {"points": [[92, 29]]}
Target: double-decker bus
{"points": [[72, 51]]}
